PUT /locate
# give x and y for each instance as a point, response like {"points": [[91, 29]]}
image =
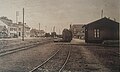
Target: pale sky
{"points": [[59, 13]]}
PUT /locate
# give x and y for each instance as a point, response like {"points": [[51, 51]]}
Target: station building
{"points": [[100, 30]]}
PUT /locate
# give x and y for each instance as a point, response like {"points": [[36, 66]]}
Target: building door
{"points": [[19, 34]]}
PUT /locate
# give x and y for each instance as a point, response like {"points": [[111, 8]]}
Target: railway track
{"points": [[52, 59], [10, 51]]}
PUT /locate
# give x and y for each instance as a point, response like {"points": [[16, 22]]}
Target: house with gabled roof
{"points": [[77, 30], [101, 30], [11, 27], [3, 30], [26, 29]]}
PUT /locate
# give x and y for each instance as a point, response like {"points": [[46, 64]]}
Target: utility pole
{"points": [[39, 26], [17, 14], [54, 29], [59, 31], [39, 30], [54, 32], [45, 28], [23, 26]]}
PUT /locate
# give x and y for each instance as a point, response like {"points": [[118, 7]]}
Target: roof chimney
{"points": [[70, 26], [114, 19], [102, 13]]}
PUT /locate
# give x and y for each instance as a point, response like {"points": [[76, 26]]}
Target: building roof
{"points": [[77, 25], [1, 28], [2, 23], [5, 20], [21, 24], [8, 22], [104, 21]]}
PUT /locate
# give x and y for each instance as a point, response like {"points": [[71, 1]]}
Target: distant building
{"points": [[36, 33], [100, 30], [41, 33], [15, 30], [77, 30], [26, 29], [11, 27], [3, 32]]}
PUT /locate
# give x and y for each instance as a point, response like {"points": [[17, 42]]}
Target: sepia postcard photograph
{"points": [[59, 35]]}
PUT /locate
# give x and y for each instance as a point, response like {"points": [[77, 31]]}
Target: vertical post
{"points": [[54, 29], [17, 13], [102, 13], [39, 26], [54, 32], [23, 26], [39, 30], [59, 31], [45, 28]]}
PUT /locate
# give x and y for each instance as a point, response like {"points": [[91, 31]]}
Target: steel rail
{"points": [[6, 52], [44, 62], [65, 62]]}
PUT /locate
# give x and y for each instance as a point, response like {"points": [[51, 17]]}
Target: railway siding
{"points": [[14, 47], [82, 60], [55, 63]]}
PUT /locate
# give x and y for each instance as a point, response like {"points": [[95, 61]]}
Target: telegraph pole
{"points": [[23, 26], [54, 29], [54, 32], [39, 26], [45, 28], [59, 31], [17, 14], [39, 30]]}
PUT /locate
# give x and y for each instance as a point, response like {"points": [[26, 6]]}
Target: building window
{"points": [[14, 29], [19, 34], [96, 33], [74, 30], [19, 29], [10, 29]]}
